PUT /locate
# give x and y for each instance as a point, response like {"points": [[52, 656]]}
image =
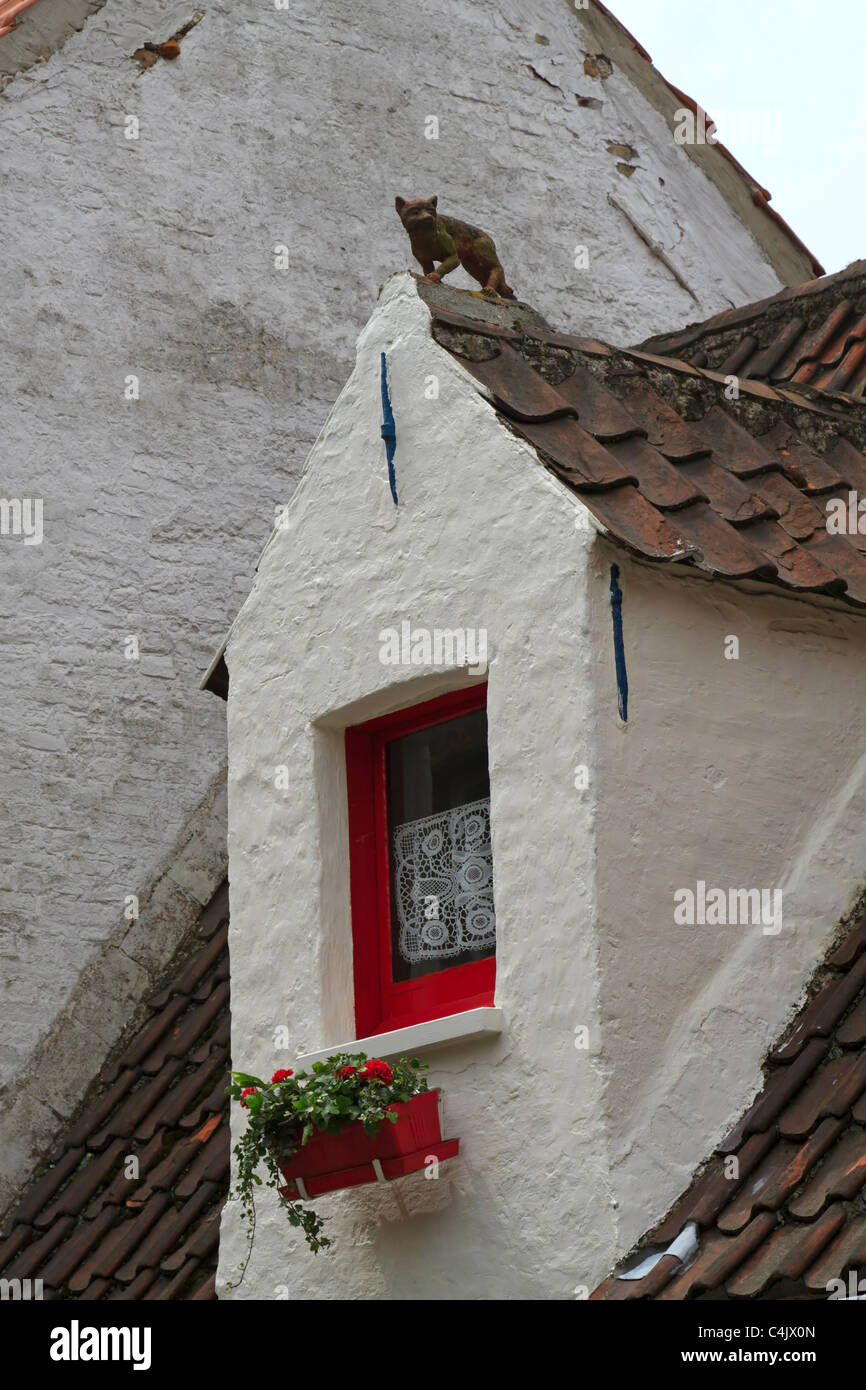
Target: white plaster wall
{"points": [[482, 537], [743, 773], [155, 257]]}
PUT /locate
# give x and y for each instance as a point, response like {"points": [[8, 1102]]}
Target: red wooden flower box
{"points": [[348, 1159]]}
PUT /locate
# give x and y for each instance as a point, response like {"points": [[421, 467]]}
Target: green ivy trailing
{"points": [[283, 1114]]}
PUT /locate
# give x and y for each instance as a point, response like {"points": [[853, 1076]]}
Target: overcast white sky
{"points": [[800, 66]]}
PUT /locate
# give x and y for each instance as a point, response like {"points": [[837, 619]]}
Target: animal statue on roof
{"points": [[434, 237]]}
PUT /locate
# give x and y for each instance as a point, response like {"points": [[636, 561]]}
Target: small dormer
{"points": [[531, 776]]}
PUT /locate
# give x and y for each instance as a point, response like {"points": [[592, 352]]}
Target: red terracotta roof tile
{"points": [[781, 1085], [146, 1040], [852, 1033], [91, 1226], [180, 1041], [849, 463], [90, 1175], [831, 1091], [670, 464], [734, 447], [723, 548], [735, 501], [141, 1287], [667, 431], [517, 386], [208, 1166], [730, 365], [27, 1264], [599, 411], [83, 1237], [797, 514], [797, 566], [849, 375], [846, 1251], [165, 1233], [186, 1150], [137, 1105], [120, 1241], [781, 1172], [660, 483], [718, 1257], [794, 1208], [101, 1108], [821, 1016], [19, 1236], [124, 1190], [204, 1239], [804, 468], [851, 947], [194, 972], [44, 1188], [805, 358], [786, 1255], [475, 322], [576, 457], [841, 556], [205, 1290], [629, 516], [842, 1174], [214, 1102], [763, 363], [176, 1105], [758, 389], [176, 1286], [812, 335]]}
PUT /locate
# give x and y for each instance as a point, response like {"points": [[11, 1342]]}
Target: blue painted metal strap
{"points": [[389, 430], [618, 647]]}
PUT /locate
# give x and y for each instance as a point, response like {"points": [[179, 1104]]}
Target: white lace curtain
{"points": [[443, 883]]}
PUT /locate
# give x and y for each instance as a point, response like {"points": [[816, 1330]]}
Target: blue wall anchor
{"points": [[389, 430], [618, 647]]}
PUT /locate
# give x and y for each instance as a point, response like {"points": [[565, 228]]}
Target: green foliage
{"points": [[283, 1115]]}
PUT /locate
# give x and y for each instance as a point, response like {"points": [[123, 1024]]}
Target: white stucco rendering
{"points": [[726, 771]]}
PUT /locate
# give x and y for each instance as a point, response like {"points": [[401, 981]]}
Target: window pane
{"points": [[439, 838]]}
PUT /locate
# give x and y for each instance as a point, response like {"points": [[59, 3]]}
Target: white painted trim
{"points": [[405, 1041]]}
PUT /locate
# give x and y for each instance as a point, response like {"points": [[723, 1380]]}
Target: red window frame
{"points": [[381, 1004]]}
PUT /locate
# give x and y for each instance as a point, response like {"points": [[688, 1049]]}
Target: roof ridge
{"points": [[675, 465], [756, 309]]}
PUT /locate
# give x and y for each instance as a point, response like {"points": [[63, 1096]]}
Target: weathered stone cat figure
{"points": [[434, 237]]}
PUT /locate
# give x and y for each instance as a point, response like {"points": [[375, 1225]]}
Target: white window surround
{"points": [[406, 1041]]}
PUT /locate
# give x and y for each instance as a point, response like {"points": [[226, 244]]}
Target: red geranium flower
{"points": [[377, 1070], [250, 1091], [281, 1076], [347, 1071]]}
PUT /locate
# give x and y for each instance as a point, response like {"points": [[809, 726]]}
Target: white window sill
{"points": [[405, 1042]]}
